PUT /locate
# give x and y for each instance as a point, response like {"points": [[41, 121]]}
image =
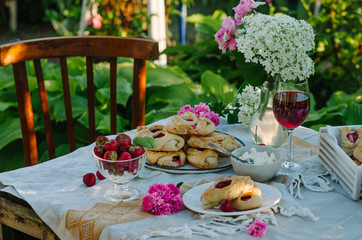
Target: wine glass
{"points": [[120, 172], [291, 108]]}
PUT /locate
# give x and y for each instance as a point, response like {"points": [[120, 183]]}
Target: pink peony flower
{"points": [[257, 229], [201, 108], [214, 117], [162, 199], [225, 36], [244, 7], [186, 108]]}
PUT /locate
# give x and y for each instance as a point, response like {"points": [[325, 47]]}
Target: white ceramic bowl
{"points": [[258, 173]]}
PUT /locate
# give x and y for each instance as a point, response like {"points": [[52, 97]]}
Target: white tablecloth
{"points": [[56, 192]]}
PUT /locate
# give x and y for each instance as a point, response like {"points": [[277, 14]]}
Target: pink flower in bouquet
{"points": [[162, 199], [257, 229], [201, 110], [225, 36], [242, 10], [244, 7]]}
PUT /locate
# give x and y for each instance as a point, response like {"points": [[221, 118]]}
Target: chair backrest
{"points": [[16, 54]]}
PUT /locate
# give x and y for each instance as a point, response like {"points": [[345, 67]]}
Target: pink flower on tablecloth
{"points": [[225, 36], [162, 199], [257, 229], [202, 110], [243, 8]]}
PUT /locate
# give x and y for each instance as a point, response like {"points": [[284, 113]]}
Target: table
{"points": [[50, 201]]}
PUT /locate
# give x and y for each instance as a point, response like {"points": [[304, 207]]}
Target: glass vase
{"points": [[264, 128]]}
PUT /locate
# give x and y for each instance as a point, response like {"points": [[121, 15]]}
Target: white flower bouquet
{"points": [[265, 48], [264, 45]]}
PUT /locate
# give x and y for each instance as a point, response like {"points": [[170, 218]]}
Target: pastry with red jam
{"points": [[167, 159], [189, 123], [165, 141], [351, 143], [202, 158], [243, 193]]}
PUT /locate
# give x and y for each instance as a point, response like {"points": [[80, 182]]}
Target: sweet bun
{"points": [[206, 158], [167, 159], [165, 141], [346, 145], [249, 200], [225, 141], [189, 123], [357, 152], [226, 188]]}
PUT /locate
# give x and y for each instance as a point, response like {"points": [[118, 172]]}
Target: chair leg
{"points": [[1, 232]]}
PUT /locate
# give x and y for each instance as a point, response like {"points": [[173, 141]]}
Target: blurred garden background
{"points": [[196, 69]]}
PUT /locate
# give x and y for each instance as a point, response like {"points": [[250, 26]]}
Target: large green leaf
{"points": [[12, 156], [216, 85], [175, 96], [354, 114], [10, 131], [76, 66], [338, 98], [101, 75], [124, 91], [165, 76]]}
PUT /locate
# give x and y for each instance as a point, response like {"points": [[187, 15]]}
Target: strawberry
{"points": [[89, 179], [101, 140], [136, 151], [352, 137], [111, 145], [125, 156], [227, 206], [100, 176], [123, 145], [99, 151], [123, 136], [111, 155]]}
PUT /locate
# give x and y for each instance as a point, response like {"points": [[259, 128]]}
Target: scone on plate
{"points": [[227, 142], [189, 123], [227, 188], [202, 158], [167, 159], [165, 141]]}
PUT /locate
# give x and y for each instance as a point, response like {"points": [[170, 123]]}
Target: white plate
{"points": [[191, 199], [224, 163]]}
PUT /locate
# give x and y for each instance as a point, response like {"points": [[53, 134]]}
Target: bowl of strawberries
{"points": [[119, 160]]}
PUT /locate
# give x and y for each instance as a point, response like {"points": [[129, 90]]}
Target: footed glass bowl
{"points": [[120, 172]]}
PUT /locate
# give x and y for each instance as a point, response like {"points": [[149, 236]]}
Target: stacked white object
{"points": [[334, 158]]}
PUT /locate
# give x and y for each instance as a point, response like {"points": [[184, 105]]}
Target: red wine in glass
{"points": [[291, 108]]}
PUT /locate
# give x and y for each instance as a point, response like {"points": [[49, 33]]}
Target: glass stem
{"points": [[290, 145]]}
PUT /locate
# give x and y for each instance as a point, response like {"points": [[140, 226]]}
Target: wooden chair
{"points": [[16, 54]]}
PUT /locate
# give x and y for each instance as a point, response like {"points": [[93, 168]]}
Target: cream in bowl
{"points": [[259, 157], [267, 162]]}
